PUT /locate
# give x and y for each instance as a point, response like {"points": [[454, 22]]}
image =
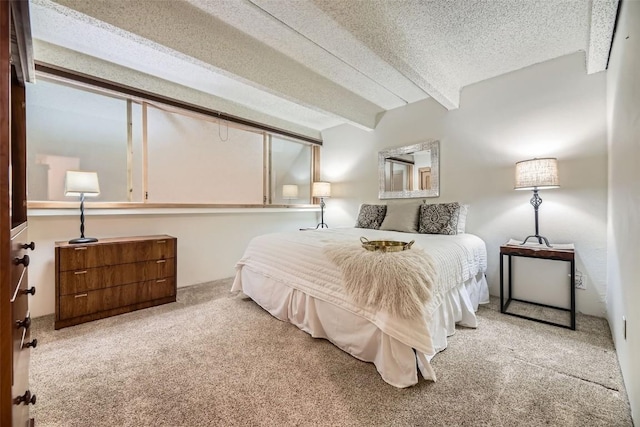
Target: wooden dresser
{"points": [[15, 321], [113, 276]]}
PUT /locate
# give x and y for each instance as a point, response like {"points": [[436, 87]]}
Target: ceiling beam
{"points": [[382, 63], [64, 58], [188, 30], [603, 19]]}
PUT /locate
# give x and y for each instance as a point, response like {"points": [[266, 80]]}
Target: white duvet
{"points": [[296, 259]]}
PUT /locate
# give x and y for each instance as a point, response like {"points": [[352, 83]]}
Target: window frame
{"points": [[130, 95]]}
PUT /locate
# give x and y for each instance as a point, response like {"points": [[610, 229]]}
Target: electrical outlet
{"points": [[624, 328], [581, 280]]}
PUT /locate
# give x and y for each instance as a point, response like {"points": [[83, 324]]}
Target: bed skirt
{"points": [[397, 363]]}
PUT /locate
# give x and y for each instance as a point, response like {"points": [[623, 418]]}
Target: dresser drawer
{"points": [[21, 328], [115, 297], [19, 259], [20, 385], [20, 316], [73, 282], [20, 313], [96, 255], [18, 280]]}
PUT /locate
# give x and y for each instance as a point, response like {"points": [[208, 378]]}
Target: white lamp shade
{"points": [[289, 191], [537, 174], [321, 189], [77, 183]]}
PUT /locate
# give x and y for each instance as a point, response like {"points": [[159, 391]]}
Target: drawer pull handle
{"points": [[32, 344], [80, 295], [160, 261], [31, 246], [80, 272], [30, 291], [24, 261], [27, 398], [82, 248], [161, 280], [161, 241], [26, 323]]}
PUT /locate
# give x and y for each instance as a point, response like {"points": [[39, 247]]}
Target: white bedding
{"points": [[289, 275]]}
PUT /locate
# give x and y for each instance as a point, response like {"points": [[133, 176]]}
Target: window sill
{"points": [[122, 208]]}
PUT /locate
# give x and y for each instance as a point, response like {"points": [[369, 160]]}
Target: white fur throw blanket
{"points": [[397, 282]]}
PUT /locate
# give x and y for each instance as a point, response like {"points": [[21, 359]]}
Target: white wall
{"points": [[209, 244], [551, 109], [623, 111]]}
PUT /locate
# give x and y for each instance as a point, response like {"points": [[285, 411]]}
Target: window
{"points": [[74, 129], [192, 160], [290, 166], [151, 153]]}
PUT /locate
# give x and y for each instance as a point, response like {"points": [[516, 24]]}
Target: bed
{"points": [[290, 276]]}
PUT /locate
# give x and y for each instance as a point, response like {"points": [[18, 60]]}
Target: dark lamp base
{"points": [[83, 240], [539, 238]]}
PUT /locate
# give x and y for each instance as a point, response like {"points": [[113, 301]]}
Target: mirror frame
{"points": [[434, 146]]}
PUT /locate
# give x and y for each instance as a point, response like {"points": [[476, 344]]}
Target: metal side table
{"points": [[566, 255]]}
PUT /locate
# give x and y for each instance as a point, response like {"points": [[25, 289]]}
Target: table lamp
{"points": [[537, 174], [322, 190], [82, 184], [289, 191]]}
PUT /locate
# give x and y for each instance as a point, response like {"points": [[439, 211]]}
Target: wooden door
{"points": [[425, 178]]}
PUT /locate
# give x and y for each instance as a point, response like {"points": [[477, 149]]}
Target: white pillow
{"points": [[462, 218]]}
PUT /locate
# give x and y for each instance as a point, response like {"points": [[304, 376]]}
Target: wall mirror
{"points": [[409, 171]]}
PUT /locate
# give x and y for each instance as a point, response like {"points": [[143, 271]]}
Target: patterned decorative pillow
{"points": [[371, 216], [440, 218]]}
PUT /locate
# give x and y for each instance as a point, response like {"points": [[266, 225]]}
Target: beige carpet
{"points": [[213, 359]]}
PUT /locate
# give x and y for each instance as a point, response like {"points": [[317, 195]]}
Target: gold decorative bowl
{"points": [[385, 245]]}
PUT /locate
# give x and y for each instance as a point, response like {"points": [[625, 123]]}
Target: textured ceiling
{"points": [[320, 63]]}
